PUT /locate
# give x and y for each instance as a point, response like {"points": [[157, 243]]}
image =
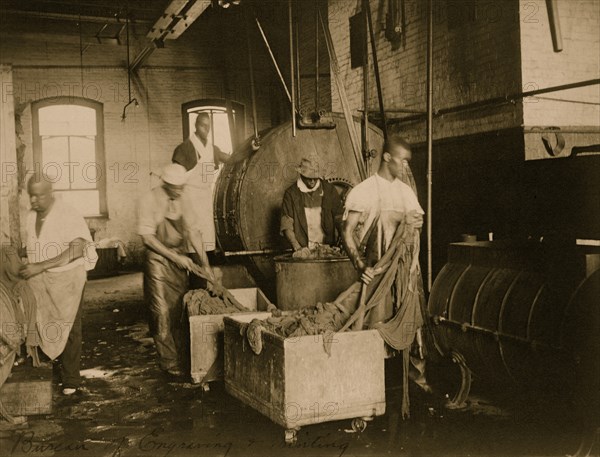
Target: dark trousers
{"points": [[70, 359]]}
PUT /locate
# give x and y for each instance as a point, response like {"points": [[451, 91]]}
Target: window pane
{"points": [[85, 173], [87, 202], [55, 153], [222, 133], [67, 120]]}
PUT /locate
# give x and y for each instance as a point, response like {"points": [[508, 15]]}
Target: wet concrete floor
{"points": [[129, 408]]}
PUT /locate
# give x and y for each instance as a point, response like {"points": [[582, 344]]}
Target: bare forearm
{"points": [[198, 245], [72, 253], [153, 243], [291, 237], [352, 250], [349, 241]]}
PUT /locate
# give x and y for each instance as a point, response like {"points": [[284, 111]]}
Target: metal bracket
{"points": [[460, 399]]}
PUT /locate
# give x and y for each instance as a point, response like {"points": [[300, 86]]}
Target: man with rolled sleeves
{"points": [[168, 224]]}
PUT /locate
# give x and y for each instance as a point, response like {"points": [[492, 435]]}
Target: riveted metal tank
{"points": [[306, 282], [524, 315], [250, 189]]}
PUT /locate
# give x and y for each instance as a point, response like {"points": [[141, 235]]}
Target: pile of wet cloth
{"points": [[214, 300], [322, 319], [320, 251]]}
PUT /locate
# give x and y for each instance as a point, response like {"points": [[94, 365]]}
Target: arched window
{"points": [[68, 146], [228, 121]]}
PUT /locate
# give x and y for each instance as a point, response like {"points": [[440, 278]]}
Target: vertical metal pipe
{"points": [[316, 56], [554, 21], [292, 74], [365, 126], [251, 72], [376, 68], [429, 140], [296, 33]]}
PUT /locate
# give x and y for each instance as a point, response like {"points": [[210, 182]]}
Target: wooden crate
{"points": [[28, 391], [294, 382], [206, 335]]}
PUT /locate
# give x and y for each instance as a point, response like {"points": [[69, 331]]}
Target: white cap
{"points": [[174, 174]]}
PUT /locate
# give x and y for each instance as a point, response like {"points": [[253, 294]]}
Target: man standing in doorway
{"points": [[59, 251], [201, 159]]}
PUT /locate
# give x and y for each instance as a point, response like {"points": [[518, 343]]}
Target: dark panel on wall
{"points": [[482, 184]]}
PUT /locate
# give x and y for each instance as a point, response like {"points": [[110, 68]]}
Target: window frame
{"points": [[238, 132], [99, 141]]}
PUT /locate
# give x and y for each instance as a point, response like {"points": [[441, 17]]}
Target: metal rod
{"points": [[317, 56], [292, 71], [128, 62], [502, 100], [251, 73], [554, 20], [297, 54], [365, 117], [80, 48], [256, 252], [496, 334], [376, 68], [335, 70], [397, 110], [264, 37], [429, 142]]}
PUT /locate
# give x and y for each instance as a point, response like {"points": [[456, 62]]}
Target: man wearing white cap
{"points": [[310, 209], [167, 224]]}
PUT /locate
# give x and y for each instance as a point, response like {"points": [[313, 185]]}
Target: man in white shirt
{"points": [[168, 224], [382, 223], [376, 206], [59, 251]]}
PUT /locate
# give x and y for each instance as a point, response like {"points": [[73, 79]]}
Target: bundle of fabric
{"points": [[17, 317], [320, 251], [323, 319], [201, 302], [216, 298]]}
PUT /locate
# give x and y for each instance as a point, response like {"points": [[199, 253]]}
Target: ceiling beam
{"points": [[74, 17], [175, 20]]}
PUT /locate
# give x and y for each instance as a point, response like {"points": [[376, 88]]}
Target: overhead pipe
{"points": [[115, 19], [292, 70], [554, 20], [502, 100], [429, 142]]}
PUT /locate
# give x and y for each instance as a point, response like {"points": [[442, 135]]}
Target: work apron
{"points": [[164, 287], [199, 187]]}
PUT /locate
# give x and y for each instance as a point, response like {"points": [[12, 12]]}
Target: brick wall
{"points": [[198, 65], [474, 60]]}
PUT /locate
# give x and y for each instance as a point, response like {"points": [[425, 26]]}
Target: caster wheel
{"points": [[291, 436], [359, 425], [205, 387]]}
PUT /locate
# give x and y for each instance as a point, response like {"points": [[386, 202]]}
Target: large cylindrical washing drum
{"points": [[521, 316]]}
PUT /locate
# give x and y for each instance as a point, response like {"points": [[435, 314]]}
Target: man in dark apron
{"points": [[167, 222]]}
